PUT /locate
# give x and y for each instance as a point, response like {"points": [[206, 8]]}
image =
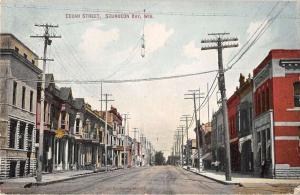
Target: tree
{"points": [[159, 158]]}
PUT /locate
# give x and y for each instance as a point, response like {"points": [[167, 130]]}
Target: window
{"points": [[63, 116], [25, 56], [268, 98], [77, 125], [263, 101], [17, 49], [14, 92], [297, 94], [12, 133], [29, 137], [22, 135], [32, 61], [23, 97], [31, 101]]}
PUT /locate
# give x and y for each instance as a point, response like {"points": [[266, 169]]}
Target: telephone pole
{"points": [[187, 118], [208, 118], [135, 130], [219, 39], [47, 41], [180, 129], [106, 100], [125, 147], [195, 95]]}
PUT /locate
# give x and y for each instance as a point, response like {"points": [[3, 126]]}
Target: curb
{"points": [[216, 180], [29, 185]]}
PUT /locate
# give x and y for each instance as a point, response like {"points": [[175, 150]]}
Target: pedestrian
{"points": [[263, 169], [217, 163]]}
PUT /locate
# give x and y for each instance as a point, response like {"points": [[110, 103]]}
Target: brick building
{"points": [[244, 124], [276, 88], [18, 93], [217, 139], [232, 105]]}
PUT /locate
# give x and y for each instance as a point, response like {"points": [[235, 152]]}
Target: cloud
{"points": [[191, 51], [95, 40], [253, 26], [156, 35]]}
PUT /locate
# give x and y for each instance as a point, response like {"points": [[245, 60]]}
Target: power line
{"points": [[124, 11], [122, 81], [260, 31]]}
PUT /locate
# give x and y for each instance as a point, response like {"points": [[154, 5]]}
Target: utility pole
{"points": [[220, 40], [125, 147], [178, 143], [135, 130], [180, 128], [106, 100], [187, 118], [47, 41], [207, 103], [101, 96], [195, 94]]}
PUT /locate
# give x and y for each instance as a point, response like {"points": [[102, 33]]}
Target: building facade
{"points": [[244, 124], [277, 114], [217, 139], [18, 93]]}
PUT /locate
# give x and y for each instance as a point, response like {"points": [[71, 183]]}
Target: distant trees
{"points": [[159, 158]]}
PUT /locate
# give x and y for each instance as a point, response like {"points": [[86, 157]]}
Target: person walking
{"points": [[263, 169]]}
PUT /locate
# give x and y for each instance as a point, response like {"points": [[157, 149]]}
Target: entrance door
{"points": [[12, 168], [22, 168]]}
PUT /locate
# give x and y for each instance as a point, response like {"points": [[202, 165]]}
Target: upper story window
{"points": [[14, 92], [297, 94], [17, 49], [77, 122], [25, 56], [23, 97], [31, 101], [63, 122]]}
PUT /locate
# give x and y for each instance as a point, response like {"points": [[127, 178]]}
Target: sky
{"points": [[110, 48]]}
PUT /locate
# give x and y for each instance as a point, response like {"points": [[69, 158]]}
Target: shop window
{"points": [[12, 133], [22, 135], [14, 92], [297, 94]]}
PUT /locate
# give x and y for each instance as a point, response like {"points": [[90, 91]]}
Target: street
{"points": [[149, 180]]}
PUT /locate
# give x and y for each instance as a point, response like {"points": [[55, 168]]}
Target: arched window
{"points": [[297, 94]]}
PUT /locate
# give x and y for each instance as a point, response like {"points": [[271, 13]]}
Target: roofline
{"points": [[12, 35]]}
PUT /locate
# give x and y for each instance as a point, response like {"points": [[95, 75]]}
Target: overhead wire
{"points": [[260, 33]]}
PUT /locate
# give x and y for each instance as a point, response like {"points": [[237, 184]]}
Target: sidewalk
{"points": [[240, 179], [55, 177]]}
